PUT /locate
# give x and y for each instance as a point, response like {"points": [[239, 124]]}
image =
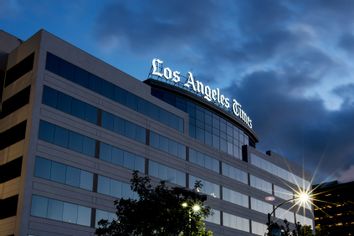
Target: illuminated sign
{"points": [[205, 91]]}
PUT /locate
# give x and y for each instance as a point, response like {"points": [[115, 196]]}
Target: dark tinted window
{"points": [[8, 207], [12, 135], [15, 102], [111, 91], [19, 69], [70, 105], [10, 170], [66, 138]]}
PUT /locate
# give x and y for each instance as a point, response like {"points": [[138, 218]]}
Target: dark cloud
{"points": [[298, 128], [271, 55]]}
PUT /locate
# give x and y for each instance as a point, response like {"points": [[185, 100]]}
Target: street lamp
{"points": [[301, 198]]}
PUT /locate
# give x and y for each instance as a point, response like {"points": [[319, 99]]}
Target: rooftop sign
{"points": [[191, 84]]}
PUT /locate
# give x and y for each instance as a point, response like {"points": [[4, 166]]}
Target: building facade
{"points": [[73, 128], [334, 211]]}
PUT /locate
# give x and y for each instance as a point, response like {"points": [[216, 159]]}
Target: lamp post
{"points": [[301, 198]]}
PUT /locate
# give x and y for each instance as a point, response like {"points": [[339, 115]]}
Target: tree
{"points": [[158, 210]]}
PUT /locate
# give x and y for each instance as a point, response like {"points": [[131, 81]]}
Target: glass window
{"points": [[58, 172], [61, 173], [163, 143], [203, 160], [259, 228], [235, 197], [120, 157], [214, 217], [207, 188], [61, 138], [166, 173], [46, 131], [103, 185], [261, 206], [282, 193], [236, 222], [70, 213], [55, 210], [42, 168], [39, 206], [84, 216], [261, 184], [111, 91], [72, 176], [234, 173], [86, 179], [104, 215]]}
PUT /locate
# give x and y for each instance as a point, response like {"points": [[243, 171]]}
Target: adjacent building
{"points": [[334, 211], [72, 129]]}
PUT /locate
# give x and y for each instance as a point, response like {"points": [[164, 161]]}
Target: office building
{"points": [[73, 128], [334, 211]]}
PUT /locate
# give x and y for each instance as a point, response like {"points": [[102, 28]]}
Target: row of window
{"points": [[89, 113], [121, 157], [76, 177], [66, 138], [59, 210], [207, 126], [62, 173], [278, 171], [203, 160], [109, 90], [10, 170], [167, 145], [72, 176], [15, 102]]}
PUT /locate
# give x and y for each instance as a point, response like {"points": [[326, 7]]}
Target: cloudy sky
{"points": [[290, 63]]}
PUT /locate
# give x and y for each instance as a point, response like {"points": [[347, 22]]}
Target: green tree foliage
{"points": [[159, 210]]}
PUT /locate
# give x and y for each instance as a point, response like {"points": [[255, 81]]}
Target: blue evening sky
{"points": [[288, 62]]}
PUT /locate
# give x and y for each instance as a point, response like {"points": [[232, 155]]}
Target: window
{"points": [[207, 188], [123, 127], [120, 157], [282, 214], [115, 188], [203, 160], [207, 126], [167, 174], [58, 172], [261, 206], [167, 145], [261, 184], [234, 173], [70, 105], [66, 138], [214, 217], [278, 171], [61, 211], [259, 228], [236, 222], [282, 193], [96, 84], [104, 215], [235, 197], [18, 70]]}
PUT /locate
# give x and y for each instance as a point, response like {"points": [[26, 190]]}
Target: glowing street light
{"points": [[301, 198]]}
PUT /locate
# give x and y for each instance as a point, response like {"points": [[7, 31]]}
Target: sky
{"points": [[289, 63]]}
